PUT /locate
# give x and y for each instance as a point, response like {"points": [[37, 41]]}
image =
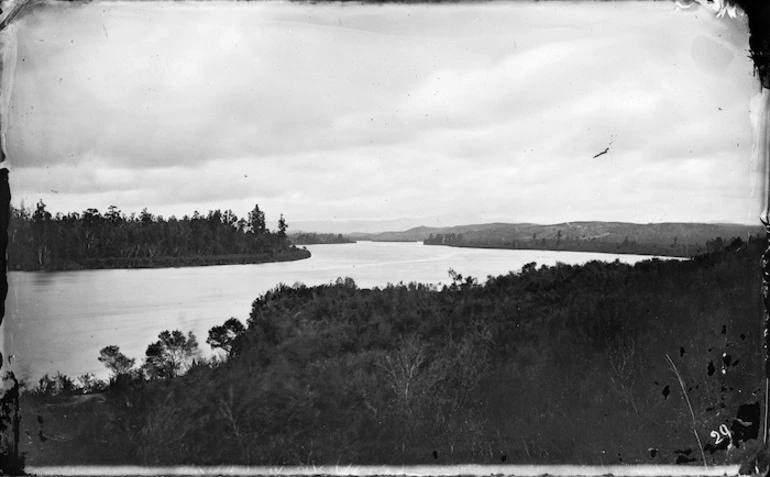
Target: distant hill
{"points": [[418, 234], [671, 239]]}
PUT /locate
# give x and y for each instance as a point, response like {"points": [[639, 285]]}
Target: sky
{"points": [[382, 117]]}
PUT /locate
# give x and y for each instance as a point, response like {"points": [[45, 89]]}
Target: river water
{"points": [[58, 321]]}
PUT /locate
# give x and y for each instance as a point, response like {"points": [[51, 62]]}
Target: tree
{"points": [[118, 363], [715, 245], [41, 220], [402, 368], [282, 228], [113, 214], [146, 217], [170, 356], [91, 229], [257, 221], [223, 336]]}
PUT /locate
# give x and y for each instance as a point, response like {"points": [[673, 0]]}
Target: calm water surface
{"points": [[58, 321]]}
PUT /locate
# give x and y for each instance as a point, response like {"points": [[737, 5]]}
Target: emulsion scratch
{"points": [[8, 54], [612, 140], [602, 153]]}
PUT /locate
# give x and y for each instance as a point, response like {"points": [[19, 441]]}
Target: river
{"points": [[58, 321]]}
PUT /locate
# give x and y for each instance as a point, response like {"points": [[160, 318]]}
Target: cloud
{"points": [[401, 111]]}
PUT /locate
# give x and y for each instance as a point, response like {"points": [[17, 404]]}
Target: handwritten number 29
{"points": [[724, 433]]}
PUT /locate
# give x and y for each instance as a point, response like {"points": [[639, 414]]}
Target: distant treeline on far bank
{"points": [[312, 238], [661, 239], [39, 240]]}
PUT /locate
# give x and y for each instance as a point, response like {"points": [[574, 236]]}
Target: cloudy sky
{"points": [[436, 114]]}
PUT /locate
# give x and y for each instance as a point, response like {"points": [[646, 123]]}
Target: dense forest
{"points": [[561, 364], [39, 240], [312, 238]]}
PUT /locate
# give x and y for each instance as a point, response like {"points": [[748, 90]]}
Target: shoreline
{"points": [[608, 251], [118, 263]]}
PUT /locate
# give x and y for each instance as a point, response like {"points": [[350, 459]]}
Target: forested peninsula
{"points": [[562, 364], [39, 240]]}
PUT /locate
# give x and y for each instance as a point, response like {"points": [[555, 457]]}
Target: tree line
{"points": [[39, 240], [313, 238], [575, 243]]}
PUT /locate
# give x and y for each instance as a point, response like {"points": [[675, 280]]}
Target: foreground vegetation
{"points": [[39, 240], [562, 364]]}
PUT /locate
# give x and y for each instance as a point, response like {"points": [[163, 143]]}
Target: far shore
{"points": [[651, 251]]}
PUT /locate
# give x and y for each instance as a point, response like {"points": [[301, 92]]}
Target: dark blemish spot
{"points": [[724, 329], [711, 369], [709, 350], [503, 457], [681, 459], [745, 426], [39, 419], [743, 336], [712, 447], [656, 383], [681, 351], [435, 454], [727, 359], [666, 391], [653, 452]]}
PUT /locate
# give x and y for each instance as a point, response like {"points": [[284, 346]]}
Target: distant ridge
{"points": [[667, 238]]}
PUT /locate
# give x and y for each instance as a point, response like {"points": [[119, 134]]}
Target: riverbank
{"points": [[587, 247], [174, 262]]}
